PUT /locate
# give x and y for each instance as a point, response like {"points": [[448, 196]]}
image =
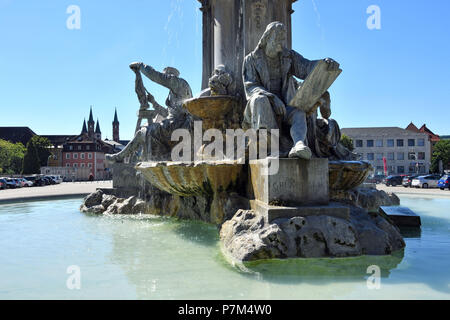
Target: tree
{"points": [[347, 142], [11, 157], [42, 144], [441, 152], [31, 160]]}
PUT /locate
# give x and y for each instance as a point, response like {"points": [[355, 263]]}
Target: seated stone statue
{"points": [[324, 134], [155, 139], [268, 75]]}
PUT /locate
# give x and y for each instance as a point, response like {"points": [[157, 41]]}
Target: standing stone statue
{"points": [[268, 75], [155, 139]]}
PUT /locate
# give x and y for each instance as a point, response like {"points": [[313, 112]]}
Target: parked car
{"points": [[393, 181], [407, 180], [50, 179], [19, 184], [36, 180], [2, 184], [57, 179], [378, 178], [25, 182], [429, 181], [11, 183], [444, 182], [46, 181]]}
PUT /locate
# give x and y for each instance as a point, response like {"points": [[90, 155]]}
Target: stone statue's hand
{"points": [[332, 65], [278, 106], [136, 66]]}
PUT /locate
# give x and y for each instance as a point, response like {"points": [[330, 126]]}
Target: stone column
{"points": [[259, 13], [232, 29]]}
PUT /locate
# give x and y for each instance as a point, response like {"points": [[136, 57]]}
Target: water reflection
{"points": [[324, 270], [411, 232]]}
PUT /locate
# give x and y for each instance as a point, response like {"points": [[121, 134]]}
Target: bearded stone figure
{"points": [[268, 75]]}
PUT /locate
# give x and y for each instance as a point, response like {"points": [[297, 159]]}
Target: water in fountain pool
{"points": [[146, 257]]}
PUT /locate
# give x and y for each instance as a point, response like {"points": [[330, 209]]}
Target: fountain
{"points": [[305, 207]]}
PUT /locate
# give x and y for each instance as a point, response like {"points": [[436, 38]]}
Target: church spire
{"points": [[84, 130], [115, 125], [91, 124], [91, 117], [98, 132], [97, 127], [116, 119]]}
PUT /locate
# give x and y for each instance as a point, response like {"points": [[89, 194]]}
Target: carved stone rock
{"points": [[248, 237]]}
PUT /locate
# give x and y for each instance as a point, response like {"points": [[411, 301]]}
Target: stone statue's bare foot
{"points": [[300, 151]]}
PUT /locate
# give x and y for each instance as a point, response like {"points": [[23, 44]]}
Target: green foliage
{"points": [[31, 163], [347, 142], [42, 144], [11, 157], [441, 152]]}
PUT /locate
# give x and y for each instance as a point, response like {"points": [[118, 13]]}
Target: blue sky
{"points": [[50, 75]]}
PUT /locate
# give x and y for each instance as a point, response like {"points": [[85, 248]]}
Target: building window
{"points": [[421, 156], [400, 143], [90, 165], [88, 147], [400, 169], [370, 156], [390, 143], [369, 143], [359, 143], [70, 148], [89, 155], [391, 156], [81, 155], [411, 143], [67, 156], [411, 156], [379, 170], [75, 165], [79, 147], [421, 142], [75, 155], [412, 169], [68, 165], [379, 143], [82, 165], [379, 156], [400, 156]]}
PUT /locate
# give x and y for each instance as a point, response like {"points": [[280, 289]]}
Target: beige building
{"points": [[405, 151]]}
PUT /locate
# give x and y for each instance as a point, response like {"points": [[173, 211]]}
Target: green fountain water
{"points": [[144, 257]]}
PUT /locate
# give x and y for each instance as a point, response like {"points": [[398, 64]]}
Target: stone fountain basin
{"points": [[213, 107], [188, 179], [347, 175]]}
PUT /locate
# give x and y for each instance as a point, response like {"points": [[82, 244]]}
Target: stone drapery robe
{"points": [[323, 135], [256, 78]]}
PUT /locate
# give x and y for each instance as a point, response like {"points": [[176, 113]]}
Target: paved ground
{"points": [[400, 190], [66, 189], [69, 189]]}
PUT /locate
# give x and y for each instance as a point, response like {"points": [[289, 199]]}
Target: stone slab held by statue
{"points": [[314, 87]]}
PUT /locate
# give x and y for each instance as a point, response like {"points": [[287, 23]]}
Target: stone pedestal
{"points": [[299, 188], [124, 176], [296, 183]]}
